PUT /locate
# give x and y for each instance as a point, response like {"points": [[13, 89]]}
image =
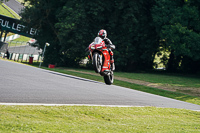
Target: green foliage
{"points": [[139, 29], [70, 26], [42, 16], [178, 25]]}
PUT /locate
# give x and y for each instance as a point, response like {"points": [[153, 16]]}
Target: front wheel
{"points": [[109, 79], [97, 62]]}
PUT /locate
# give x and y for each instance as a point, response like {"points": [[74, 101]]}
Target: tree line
{"points": [[139, 29]]}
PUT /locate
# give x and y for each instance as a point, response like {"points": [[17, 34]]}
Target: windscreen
{"points": [[97, 40]]}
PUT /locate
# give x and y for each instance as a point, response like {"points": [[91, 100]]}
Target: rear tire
{"points": [[109, 79], [97, 62]]}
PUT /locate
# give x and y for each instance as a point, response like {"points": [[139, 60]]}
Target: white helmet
{"points": [[102, 33]]}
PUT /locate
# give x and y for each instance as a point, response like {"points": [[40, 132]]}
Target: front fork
{"points": [[90, 56]]}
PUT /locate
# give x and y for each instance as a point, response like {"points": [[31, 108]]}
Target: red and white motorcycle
{"points": [[100, 56]]}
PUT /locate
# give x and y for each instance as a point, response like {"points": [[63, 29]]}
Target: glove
{"points": [[108, 46]]}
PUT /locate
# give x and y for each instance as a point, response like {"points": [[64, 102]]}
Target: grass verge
{"points": [[176, 80], [22, 39], [9, 12], [4, 11], [160, 92], [97, 119]]}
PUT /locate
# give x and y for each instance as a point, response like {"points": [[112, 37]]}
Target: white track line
{"points": [[44, 104]]}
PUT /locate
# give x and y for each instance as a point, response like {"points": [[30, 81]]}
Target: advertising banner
{"points": [[13, 25]]}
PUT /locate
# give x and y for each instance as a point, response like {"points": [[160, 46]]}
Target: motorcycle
{"points": [[100, 56]]}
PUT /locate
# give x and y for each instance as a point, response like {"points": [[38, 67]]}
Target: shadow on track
{"points": [[74, 77]]}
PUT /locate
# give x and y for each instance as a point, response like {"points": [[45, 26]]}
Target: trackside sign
{"points": [[13, 25]]}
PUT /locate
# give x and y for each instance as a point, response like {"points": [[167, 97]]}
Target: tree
{"points": [[70, 26], [41, 15], [134, 34], [177, 23]]}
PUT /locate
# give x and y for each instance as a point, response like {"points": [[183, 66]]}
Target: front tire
{"points": [[109, 79], [97, 62]]}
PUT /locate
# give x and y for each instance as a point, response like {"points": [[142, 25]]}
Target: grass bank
{"points": [[6, 11], [170, 79], [97, 119]]}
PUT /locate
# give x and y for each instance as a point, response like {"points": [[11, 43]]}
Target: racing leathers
{"points": [[110, 46]]}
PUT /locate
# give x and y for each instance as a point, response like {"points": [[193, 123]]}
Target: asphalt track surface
{"points": [[21, 84], [24, 84], [14, 5]]}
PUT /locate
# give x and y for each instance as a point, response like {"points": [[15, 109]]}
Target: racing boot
{"points": [[89, 56], [112, 61], [112, 65]]}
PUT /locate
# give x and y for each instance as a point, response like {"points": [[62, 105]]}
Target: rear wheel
{"points": [[97, 62], [109, 79]]}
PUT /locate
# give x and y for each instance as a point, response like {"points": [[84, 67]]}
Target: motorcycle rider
{"points": [[103, 34]]}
